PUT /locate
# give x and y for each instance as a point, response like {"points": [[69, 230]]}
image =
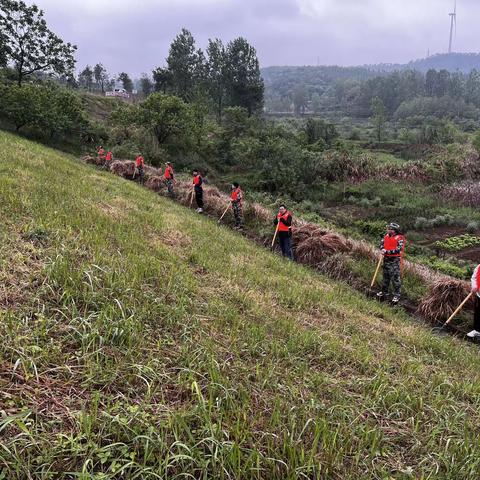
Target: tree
{"points": [[300, 100], [126, 81], [167, 117], [162, 79], [30, 45], [379, 117], [430, 82], [146, 85], [100, 75], [217, 75], [244, 79], [317, 129], [85, 79], [19, 105], [185, 65]]}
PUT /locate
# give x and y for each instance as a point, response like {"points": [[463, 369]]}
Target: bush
{"points": [[472, 227]]}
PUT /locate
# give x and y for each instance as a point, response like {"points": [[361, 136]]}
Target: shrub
{"points": [[472, 227]]}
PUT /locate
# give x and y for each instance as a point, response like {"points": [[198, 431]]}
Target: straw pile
{"points": [[124, 169], [155, 183], [314, 244], [442, 299]]}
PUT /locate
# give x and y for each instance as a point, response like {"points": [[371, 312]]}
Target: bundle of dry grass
{"points": [[443, 298], [122, 168], [313, 244], [155, 183], [306, 231]]}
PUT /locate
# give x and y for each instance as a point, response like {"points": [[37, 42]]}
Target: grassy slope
{"points": [[140, 339]]}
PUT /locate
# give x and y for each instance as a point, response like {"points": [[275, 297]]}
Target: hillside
{"points": [[140, 340]]}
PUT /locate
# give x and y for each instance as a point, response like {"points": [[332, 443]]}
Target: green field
{"points": [[140, 340]]}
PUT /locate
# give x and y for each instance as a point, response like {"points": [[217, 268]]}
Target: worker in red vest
{"points": [[169, 178], [236, 198], [283, 220], [108, 159], [392, 247], [139, 166], [101, 153], [198, 190], [475, 333]]}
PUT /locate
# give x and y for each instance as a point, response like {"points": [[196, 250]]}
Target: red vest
{"points": [[139, 162], [108, 158], [101, 152], [391, 243], [281, 226], [235, 193], [197, 180], [168, 173]]}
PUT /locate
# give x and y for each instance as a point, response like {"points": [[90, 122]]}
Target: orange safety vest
{"points": [[281, 226], [197, 180], [391, 243], [168, 173], [235, 194]]}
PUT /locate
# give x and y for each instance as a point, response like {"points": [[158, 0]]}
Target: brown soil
{"points": [[472, 254]]}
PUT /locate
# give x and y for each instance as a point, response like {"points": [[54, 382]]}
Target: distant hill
{"points": [[453, 62]]}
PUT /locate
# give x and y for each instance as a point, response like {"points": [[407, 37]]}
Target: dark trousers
{"points": [[476, 314], [169, 183], [391, 274], [199, 197], [285, 241]]}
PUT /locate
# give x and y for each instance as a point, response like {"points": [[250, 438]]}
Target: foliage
{"points": [[85, 78], [126, 81], [146, 85], [379, 118], [30, 45], [169, 118]]}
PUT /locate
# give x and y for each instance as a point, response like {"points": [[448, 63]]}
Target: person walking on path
{"points": [[236, 198], [139, 167], [392, 247], [283, 221], [198, 189], [169, 178], [475, 333]]}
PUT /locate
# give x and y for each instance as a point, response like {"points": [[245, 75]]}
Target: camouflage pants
{"points": [[169, 183], [391, 274], [237, 213]]}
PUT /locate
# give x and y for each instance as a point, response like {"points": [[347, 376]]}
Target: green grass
{"points": [[142, 341]]}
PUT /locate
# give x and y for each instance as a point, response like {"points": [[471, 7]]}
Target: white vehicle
{"points": [[118, 92]]}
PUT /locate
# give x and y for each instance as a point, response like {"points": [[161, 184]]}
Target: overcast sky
{"points": [[135, 35]]}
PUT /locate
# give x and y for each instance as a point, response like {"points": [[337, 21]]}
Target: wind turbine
{"points": [[453, 24]]}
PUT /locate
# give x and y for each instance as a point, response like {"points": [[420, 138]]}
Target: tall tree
{"points": [[300, 100], [186, 65], [162, 79], [126, 81], [85, 78], [100, 75], [30, 45], [379, 118], [430, 82], [217, 74], [245, 81], [146, 85]]}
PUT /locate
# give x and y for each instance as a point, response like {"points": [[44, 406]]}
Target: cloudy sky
{"points": [[134, 35]]}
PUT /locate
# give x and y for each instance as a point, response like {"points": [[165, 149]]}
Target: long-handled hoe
{"points": [[191, 199], [453, 315], [275, 236], [223, 214], [379, 264]]}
